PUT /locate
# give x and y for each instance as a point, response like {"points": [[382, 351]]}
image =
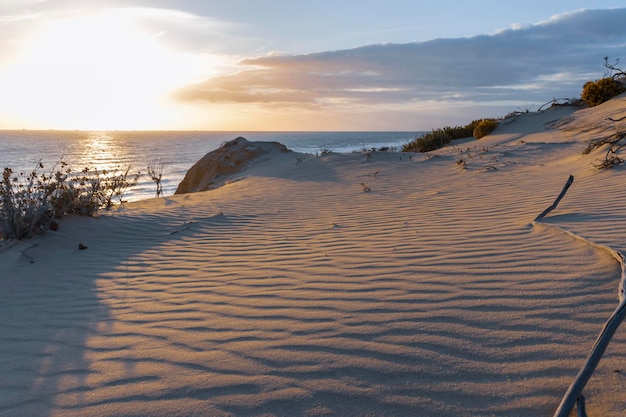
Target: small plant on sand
{"points": [[484, 127], [155, 170], [24, 205], [110, 185], [324, 151], [74, 192], [30, 201]]}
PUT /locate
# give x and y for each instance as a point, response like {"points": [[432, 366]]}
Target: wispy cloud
{"points": [[529, 64], [182, 30]]}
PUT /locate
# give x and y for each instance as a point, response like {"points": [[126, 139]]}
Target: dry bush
{"points": [[611, 157], [155, 170], [30, 201]]}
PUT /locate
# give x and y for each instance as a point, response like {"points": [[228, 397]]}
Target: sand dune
{"points": [[291, 291]]}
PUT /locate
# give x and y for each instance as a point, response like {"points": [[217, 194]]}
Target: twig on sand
{"points": [[28, 256], [574, 393], [81, 246], [184, 227], [569, 182]]}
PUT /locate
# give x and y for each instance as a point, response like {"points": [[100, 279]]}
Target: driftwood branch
{"points": [[575, 390], [582, 412], [569, 182], [574, 395], [557, 102], [613, 71]]}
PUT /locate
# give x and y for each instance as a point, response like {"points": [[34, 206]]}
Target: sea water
{"points": [[177, 151]]}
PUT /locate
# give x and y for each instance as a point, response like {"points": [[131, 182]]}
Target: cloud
{"points": [[182, 30], [524, 64], [179, 30]]}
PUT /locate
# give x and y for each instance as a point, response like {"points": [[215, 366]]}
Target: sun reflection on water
{"points": [[102, 151]]}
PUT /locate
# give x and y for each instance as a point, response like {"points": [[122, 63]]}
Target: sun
{"points": [[99, 71]]}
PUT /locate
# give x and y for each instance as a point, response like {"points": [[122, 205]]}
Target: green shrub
{"points": [[484, 127], [438, 138], [428, 142], [598, 92]]}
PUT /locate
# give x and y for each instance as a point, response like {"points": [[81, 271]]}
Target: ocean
{"points": [[21, 150]]}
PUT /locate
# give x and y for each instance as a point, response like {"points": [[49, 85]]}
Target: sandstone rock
{"points": [[214, 168]]}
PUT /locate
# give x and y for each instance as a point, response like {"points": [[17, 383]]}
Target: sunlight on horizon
{"points": [[98, 72]]}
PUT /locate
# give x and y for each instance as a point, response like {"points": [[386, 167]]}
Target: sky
{"points": [[247, 65]]}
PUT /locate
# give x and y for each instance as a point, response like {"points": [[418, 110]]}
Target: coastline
{"points": [[178, 150]]}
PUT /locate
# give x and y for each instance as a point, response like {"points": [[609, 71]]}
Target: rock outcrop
{"points": [[217, 166]]}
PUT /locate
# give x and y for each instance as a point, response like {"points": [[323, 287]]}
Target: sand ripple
{"points": [[430, 295]]}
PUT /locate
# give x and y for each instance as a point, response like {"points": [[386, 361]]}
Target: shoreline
{"points": [[178, 151]]}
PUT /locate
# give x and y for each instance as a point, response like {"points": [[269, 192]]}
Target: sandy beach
{"points": [[292, 291]]}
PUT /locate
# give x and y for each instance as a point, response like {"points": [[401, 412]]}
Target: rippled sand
{"points": [[291, 291]]}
